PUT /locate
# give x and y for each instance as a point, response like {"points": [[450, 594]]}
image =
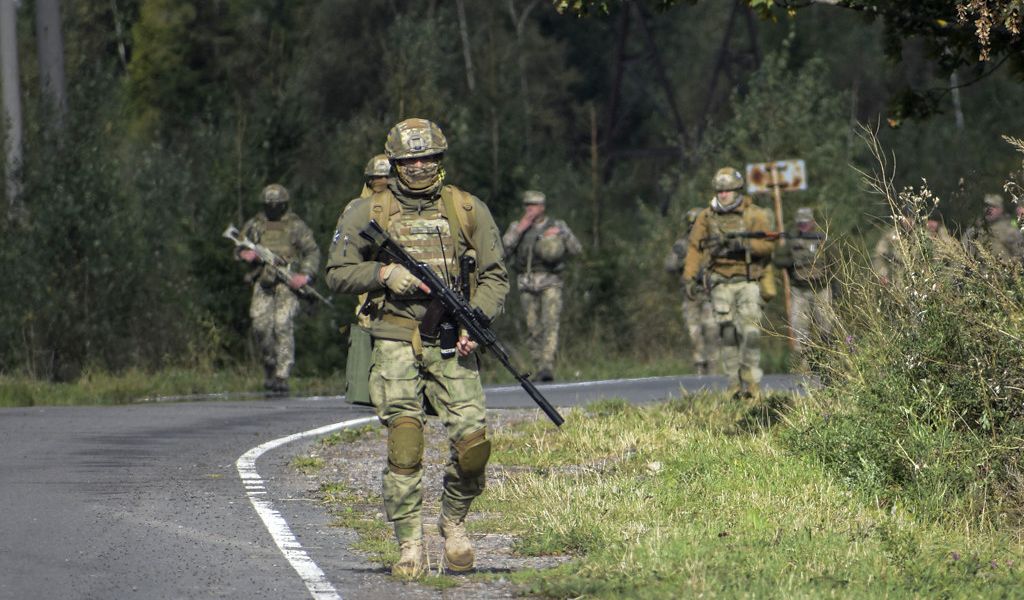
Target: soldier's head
{"points": [[994, 207], [415, 147], [1020, 213], [727, 183], [805, 220], [377, 172], [534, 202], [275, 201]]}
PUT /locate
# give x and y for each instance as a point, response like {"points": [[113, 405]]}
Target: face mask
{"points": [[421, 177], [378, 184], [275, 211]]}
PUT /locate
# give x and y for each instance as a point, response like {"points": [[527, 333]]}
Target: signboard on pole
{"points": [[792, 176]]}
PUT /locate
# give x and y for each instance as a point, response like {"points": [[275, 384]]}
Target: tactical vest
{"points": [[277, 237], [720, 225], [423, 234], [808, 261], [527, 260]]}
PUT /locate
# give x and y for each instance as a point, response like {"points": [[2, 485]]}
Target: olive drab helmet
{"points": [[274, 193], [379, 166], [413, 138], [727, 179]]}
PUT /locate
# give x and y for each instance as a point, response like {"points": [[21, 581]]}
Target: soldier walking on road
{"points": [[724, 237], [360, 344], [539, 247], [808, 259], [697, 312], [438, 224], [275, 303]]}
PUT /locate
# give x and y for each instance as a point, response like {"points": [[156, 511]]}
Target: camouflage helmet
{"points": [[804, 214], [534, 197], [691, 216], [550, 248], [727, 179], [994, 200], [274, 193], [379, 166], [413, 138]]}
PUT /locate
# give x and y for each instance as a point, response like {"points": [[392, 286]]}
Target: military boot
{"points": [[458, 550], [734, 392], [268, 376], [701, 368], [279, 385], [412, 562], [754, 391]]}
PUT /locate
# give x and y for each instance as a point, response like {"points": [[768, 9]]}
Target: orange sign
{"points": [[792, 176]]}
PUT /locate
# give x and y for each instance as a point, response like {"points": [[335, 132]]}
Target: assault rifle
{"points": [[715, 240], [473, 320], [278, 265]]}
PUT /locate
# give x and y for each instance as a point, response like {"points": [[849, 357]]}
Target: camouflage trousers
{"points": [[703, 330], [737, 305], [812, 313], [398, 385], [273, 313], [543, 309]]}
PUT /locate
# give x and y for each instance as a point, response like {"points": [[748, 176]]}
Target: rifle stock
{"points": [[473, 320]]}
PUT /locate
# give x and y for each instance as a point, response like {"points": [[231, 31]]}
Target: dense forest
{"points": [[177, 112]]}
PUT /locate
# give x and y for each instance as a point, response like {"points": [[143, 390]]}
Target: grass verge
{"points": [[698, 497]]}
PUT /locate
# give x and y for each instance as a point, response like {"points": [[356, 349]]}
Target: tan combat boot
{"points": [[458, 550], [754, 391], [413, 561]]}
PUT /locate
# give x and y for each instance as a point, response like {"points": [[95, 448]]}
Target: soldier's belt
{"points": [[413, 326]]}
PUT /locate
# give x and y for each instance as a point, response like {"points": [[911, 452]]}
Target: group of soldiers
{"points": [[729, 251], [397, 362]]}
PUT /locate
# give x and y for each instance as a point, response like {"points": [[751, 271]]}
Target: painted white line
{"points": [[311, 574]]}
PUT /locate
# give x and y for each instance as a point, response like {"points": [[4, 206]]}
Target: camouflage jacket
{"points": [[1001, 238], [708, 231], [290, 238], [353, 263], [810, 259]]}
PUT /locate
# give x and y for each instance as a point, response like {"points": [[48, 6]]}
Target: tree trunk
{"points": [[519, 22], [9, 80], [958, 109], [460, 5], [50, 46], [595, 199]]}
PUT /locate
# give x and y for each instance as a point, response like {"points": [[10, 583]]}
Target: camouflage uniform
{"points": [[407, 365], [540, 285], [886, 260], [809, 260], [698, 314], [735, 267], [274, 304], [1001, 240]]}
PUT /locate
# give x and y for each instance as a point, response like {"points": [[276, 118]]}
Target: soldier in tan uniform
{"points": [[275, 303], [539, 247], [697, 312], [809, 261], [886, 260], [1003, 242], [724, 237], [360, 344], [438, 224]]}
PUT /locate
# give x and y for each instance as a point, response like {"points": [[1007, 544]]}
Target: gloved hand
{"points": [[398, 279], [735, 245], [694, 289]]}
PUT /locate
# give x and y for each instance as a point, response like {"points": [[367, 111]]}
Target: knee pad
{"points": [[473, 451], [405, 445]]}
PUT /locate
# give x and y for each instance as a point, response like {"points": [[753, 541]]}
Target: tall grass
{"points": [[926, 377]]}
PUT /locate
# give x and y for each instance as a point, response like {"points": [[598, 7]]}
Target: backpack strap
{"points": [[382, 206], [459, 203]]}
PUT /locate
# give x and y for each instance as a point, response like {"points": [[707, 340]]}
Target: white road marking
{"points": [[311, 574]]}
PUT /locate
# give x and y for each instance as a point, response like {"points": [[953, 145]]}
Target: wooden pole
{"points": [[786, 295]]}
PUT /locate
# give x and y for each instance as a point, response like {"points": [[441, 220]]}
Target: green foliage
{"points": [[923, 406]]}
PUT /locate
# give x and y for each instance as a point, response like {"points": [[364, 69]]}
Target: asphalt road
{"points": [[146, 500]]}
